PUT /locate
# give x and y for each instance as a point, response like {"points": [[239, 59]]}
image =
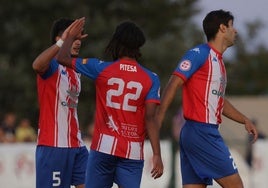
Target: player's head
{"points": [[126, 41], [213, 20], [59, 27], [57, 30]]}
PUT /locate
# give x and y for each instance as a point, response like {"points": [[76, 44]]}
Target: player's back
{"points": [[123, 87], [122, 90]]}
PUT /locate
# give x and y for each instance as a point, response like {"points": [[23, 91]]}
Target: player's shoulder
{"points": [[198, 53], [95, 62], [200, 49], [148, 71]]}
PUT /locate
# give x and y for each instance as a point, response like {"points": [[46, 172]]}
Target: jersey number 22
{"points": [[119, 92]]}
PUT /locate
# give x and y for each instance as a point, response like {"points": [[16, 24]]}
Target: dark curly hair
{"points": [[126, 41]]}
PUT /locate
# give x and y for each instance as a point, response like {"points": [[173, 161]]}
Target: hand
{"points": [[158, 167], [251, 129], [75, 30]]}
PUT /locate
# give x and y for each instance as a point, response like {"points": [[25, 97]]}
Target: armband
{"points": [[59, 43]]}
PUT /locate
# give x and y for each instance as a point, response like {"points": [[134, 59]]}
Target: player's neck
{"points": [[127, 58], [218, 44]]}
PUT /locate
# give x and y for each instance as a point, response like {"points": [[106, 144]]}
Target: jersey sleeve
{"points": [[192, 60], [154, 92], [89, 67], [53, 66]]}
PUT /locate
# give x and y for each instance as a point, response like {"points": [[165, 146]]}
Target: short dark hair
{"points": [[58, 28], [213, 20], [126, 41]]}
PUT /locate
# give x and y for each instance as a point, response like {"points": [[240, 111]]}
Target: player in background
{"points": [[201, 74], [61, 155], [127, 95]]}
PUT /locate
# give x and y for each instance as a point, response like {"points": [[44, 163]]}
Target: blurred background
{"points": [[171, 27]]}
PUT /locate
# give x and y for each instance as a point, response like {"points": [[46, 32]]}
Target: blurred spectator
{"points": [[87, 136], [249, 154], [90, 129], [25, 132], [9, 126], [2, 136]]}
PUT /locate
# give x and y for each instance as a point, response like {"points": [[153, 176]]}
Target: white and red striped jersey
{"points": [[123, 88], [203, 71], [58, 91]]}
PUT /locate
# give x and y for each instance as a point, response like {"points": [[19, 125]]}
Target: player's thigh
{"points": [[210, 151], [128, 173], [51, 168], [80, 158], [232, 181], [100, 170]]}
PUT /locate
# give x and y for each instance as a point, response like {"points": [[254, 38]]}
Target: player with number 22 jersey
{"points": [[120, 126], [127, 95]]}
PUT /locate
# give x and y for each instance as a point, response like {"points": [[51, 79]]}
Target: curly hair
{"points": [[126, 41]]}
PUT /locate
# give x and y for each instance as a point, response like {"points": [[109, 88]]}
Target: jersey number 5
{"points": [[126, 96]]}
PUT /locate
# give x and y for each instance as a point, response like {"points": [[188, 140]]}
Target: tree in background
{"points": [[248, 69], [169, 31], [168, 27]]}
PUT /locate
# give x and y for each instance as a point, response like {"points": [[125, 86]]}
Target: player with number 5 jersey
{"points": [[127, 95], [61, 155]]}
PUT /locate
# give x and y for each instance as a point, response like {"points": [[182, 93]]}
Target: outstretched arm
{"points": [[153, 134], [232, 113]]}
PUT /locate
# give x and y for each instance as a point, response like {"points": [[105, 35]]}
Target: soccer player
{"points": [[201, 74], [127, 95], [61, 155]]}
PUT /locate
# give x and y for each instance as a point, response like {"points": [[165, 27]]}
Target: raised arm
{"points": [[232, 113], [41, 62], [73, 32]]}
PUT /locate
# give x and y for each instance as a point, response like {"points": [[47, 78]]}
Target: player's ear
{"points": [[222, 28]]}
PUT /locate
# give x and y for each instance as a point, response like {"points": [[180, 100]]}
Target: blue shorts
{"points": [[60, 167], [103, 170], [204, 155]]}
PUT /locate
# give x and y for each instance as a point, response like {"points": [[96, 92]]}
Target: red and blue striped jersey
{"points": [[58, 91], [123, 88], [203, 71]]}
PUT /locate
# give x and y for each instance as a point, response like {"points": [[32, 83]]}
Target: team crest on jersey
{"points": [[185, 65], [84, 61]]}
